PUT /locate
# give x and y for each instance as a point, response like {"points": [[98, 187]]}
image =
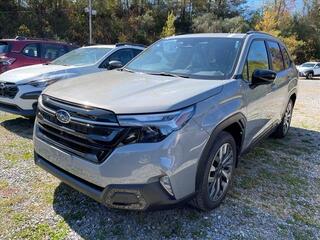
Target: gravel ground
{"points": [[275, 195]]}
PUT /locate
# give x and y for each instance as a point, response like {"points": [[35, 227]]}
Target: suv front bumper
{"points": [[24, 103], [134, 168], [122, 196]]}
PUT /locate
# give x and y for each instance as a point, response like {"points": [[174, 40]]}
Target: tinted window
{"points": [[4, 47], [286, 58], [196, 57], [52, 51], [122, 55], [276, 56], [31, 50], [136, 52], [257, 59]]}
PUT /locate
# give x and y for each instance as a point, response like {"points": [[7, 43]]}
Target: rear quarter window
{"points": [[286, 57], [276, 56], [5, 47]]}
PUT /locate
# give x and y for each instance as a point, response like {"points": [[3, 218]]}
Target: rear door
{"points": [[279, 88], [30, 55], [258, 99], [51, 51]]}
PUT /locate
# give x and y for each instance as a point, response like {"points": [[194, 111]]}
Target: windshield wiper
{"points": [[169, 74]]}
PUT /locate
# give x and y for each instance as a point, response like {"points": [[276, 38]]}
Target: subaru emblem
{"points": [[63, 116]]}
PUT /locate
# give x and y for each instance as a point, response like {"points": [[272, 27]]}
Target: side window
{"points": [[317, 66], [136, 51], [276, 56], [286, 58], [31, 50], [52, 51], [122, 55], [257, 59]]}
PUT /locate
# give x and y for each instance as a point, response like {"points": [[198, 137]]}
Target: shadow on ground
{"points": [[92, 220], [20, 126]]}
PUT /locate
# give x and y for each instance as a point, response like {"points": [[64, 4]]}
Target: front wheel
{"points": [[216, 175], [309, 75], [282, 130]]}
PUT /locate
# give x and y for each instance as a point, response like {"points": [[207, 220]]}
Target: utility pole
{"points": [[90, 22], [91, 12]]}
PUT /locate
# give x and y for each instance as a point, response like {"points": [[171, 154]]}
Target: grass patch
{"points": [[3, 184], [44, 231], [247, 182], [298, 217]]}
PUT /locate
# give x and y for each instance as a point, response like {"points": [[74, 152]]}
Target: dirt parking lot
{"points": [[275, 195]]}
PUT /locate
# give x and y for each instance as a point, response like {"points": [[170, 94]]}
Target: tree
{"points": [[169, 28], [276, 25], [23, 30]]}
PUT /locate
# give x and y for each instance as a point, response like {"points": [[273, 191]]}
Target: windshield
{"points": [[82, 56], [308, 65], [197, 57], [4, 47]]}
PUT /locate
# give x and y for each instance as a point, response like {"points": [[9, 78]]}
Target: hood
{"points": [[29, 73], [131, 93]]}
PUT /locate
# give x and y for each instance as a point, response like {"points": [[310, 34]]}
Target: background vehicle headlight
{"points": [[148, 128], [43, 82]]}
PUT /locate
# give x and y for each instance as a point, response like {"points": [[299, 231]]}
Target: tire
{"points": [[214, 173], [309, 75], [283, 128]]}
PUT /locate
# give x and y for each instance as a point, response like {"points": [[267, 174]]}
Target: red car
{"points": [[22, 51]]}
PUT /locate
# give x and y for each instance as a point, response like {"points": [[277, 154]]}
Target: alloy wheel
{"points": [[287, 118], [220, 172]]}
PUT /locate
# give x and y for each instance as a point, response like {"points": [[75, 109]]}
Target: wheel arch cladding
{"points": [[293, 97], [235, 125]]}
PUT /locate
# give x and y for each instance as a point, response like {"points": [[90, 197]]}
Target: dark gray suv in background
{"points": [[170, 126]]}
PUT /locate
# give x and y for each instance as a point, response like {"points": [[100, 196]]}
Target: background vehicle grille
{"points": [[8, 90], [90, 139]]}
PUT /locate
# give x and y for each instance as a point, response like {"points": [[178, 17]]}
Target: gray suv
{"points": [[168, 127]]}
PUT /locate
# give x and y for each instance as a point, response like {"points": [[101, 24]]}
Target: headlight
{"points": [[41, 83], [147, 128]]}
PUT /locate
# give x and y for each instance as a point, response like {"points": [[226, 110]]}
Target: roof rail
{"points": [[130, 44], [259, 32]]}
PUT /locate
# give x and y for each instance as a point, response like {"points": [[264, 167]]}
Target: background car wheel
{"points": [[216, 175], [309, 75], [284, 126]]}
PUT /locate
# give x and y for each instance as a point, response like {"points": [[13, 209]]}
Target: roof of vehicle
{"points": [[131, 45], [33, 40], [101, 46], [224, 35]]}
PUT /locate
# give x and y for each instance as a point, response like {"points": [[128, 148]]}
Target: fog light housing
{"points": [[166, 184]]}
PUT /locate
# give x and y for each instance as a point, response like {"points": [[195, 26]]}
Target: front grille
{"points": [[91, 134], [8, 90]]}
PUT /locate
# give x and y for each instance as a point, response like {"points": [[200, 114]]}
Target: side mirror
{"points": [[115, 64], [261, 77]]}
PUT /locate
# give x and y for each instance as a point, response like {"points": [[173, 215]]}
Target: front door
{"points": [[258, 98]]}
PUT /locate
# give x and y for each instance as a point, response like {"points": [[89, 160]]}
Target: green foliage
{"points": [[169, 29]]}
